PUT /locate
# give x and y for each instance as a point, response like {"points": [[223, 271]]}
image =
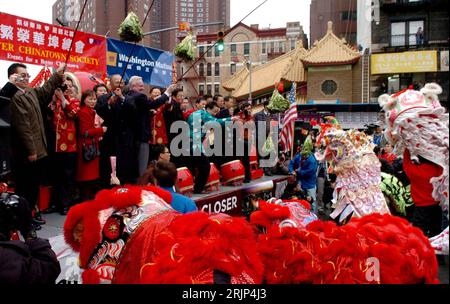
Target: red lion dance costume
{"points": [[373, 249], [131, 235]]}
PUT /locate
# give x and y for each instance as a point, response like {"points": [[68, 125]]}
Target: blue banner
{"points": [[154, 66]]}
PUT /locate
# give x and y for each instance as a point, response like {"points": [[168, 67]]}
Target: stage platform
{"points": [[236, 200]]}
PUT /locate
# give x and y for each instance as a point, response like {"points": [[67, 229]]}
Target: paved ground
{"points": [[55, 223]]}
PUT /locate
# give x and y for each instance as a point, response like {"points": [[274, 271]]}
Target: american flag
{"points": [[287, 132]]}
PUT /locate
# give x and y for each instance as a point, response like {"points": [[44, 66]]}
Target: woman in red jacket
{"points": [[427, 212], [88, 170]]}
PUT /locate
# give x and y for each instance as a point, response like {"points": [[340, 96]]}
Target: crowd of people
{"points": [[81, 141]]}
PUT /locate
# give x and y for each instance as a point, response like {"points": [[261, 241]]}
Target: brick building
{"points": [[243, 45], [193, 12], [341, 12], [104, 16]]}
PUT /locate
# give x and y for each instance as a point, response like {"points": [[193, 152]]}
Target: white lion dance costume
{"points": [[357, 169], [417, 121]]}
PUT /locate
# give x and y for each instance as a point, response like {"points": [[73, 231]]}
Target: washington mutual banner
{"points": [[154, 66]]}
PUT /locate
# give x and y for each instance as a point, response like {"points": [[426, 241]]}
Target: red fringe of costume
{"points": [[140, 248], [90, 276], [328, 254], [88, 213], [195, 244], [268, 214]]}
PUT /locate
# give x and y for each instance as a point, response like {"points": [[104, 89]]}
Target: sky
{"points": [[273, 13]]}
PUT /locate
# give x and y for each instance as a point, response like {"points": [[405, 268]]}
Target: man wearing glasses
{"points": [[29, 143]]}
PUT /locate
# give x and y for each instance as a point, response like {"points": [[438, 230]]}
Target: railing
{"points": [[403, 2], [407, 40]]}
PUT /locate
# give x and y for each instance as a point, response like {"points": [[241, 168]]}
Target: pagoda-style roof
{"points": [[287, 67], [330, 50], [236, 80]]}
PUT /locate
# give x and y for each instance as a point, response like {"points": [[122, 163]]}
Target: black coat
{"points": [[225, 113], [8, 90], [107, 113], [30, 262], [143, 107], [120, 139], [171, 114], [261, 116]]}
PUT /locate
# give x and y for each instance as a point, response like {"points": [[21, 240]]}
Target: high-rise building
{"points": [[341, 12], [194, 12], [104, 16]]}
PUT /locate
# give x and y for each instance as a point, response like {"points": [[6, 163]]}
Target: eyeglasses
{"points": [[24, 75], [166, 152]]}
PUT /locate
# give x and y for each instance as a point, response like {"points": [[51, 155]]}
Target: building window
{"points": [[272, 47], [209, 54], [292, 44], [233, 49], [217, 69], [407, 33], [201, 50], [216, 89], [208, 69], [216, 51], [246, 48], [208, 89], [416, 32], [264, 47], [281, 47], [398, 33], [329, 87], [201, 89], [232, 68], [201, 69]]}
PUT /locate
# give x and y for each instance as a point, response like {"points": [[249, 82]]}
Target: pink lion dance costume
{"points": [[415, 120], [351, 157]]}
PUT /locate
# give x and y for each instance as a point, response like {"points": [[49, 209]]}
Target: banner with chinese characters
{"points": [[154, 66], [33, 42], [405, 62]]}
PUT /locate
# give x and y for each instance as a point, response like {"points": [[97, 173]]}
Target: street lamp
{"points": [[249, 67]]}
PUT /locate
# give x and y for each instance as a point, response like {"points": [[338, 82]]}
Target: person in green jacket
{"points": [[200, 164], [394, 191]]}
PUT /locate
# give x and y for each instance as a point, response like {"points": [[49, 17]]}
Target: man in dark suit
{"points": [[265, 117], [7, 92], [143, 106], [173, 112]]}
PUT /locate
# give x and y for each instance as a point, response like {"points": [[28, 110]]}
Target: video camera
{"points": [[63, 87], [370, 128], [9, 213]]}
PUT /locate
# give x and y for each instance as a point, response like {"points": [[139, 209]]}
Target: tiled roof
{"points": [[286, 67], [236, 80], [330, 50]]}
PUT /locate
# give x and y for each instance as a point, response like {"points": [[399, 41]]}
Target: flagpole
{"points": [[293, 127]]}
